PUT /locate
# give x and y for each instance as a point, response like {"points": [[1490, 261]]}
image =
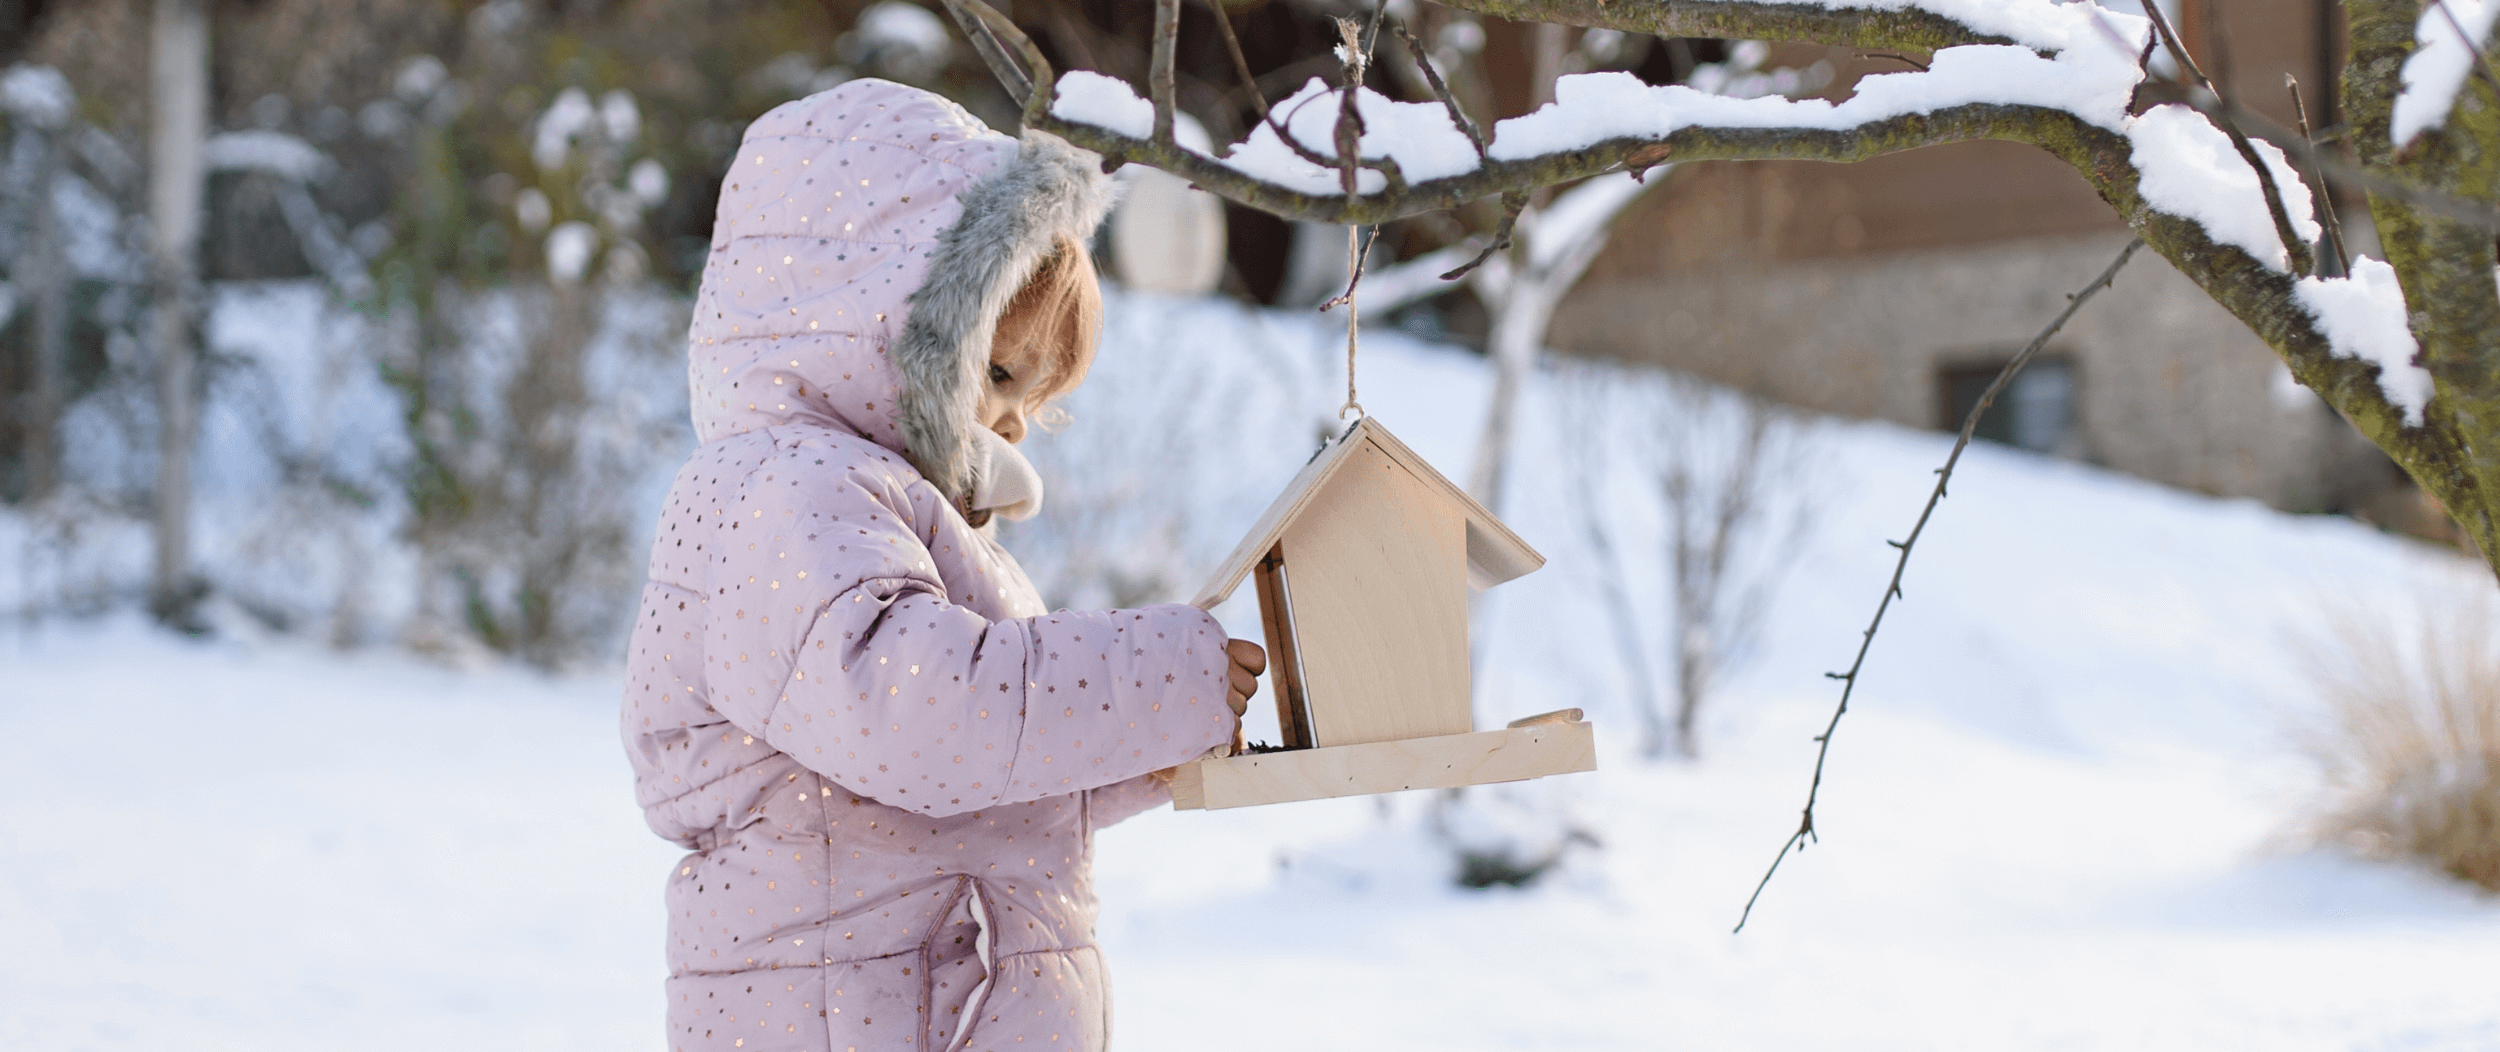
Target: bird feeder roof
{"points": [[1494, 553]]}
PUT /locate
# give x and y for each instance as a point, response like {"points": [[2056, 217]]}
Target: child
{"points": [[845, 699]]}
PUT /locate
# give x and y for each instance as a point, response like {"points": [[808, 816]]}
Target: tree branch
{"points": [[1021, 83], [2443, 264], [1423, 61], [2337, 170], [993, 34], [2294, 247], [2327, 213], [2433, 203], [1241, 65], [1899, 29], [2261, 297], [1805, 833], [1167, 40], [1497, 177]]}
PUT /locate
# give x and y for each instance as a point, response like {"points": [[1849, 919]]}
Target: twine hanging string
{"points": [[1354, 254], [1358, 248], [1355, 54]]}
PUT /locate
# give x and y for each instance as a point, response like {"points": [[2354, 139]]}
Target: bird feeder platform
{"points": [[1363, 566]]}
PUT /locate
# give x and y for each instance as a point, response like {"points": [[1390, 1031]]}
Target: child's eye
{"points": [[999, 375]]}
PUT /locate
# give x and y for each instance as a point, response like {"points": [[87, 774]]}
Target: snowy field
{"points": [[2062, 815]]}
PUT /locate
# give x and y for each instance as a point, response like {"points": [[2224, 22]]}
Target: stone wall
{"points": [[2171, 387]]}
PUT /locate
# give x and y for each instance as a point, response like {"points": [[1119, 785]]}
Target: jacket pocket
{"points": [[962, 965]]}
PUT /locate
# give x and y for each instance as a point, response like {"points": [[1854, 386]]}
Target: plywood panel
{"points": [[1284, 662], [1377, 564], [1494, 553], [1272, 523], [1446, 762]]}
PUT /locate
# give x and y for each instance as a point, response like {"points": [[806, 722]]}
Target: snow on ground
{"points": [[2057, 818]]}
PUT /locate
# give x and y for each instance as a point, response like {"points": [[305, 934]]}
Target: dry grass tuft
{"points": [[2410, 738]]}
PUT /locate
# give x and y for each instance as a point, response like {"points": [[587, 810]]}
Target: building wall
{"points": [[1849, 288], [2171, 387]]}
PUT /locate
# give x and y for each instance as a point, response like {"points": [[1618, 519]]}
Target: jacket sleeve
{"points": [[1121, 801], [834, 641]]}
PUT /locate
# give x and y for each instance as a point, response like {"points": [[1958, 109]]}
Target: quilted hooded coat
{"points": [[886, 759]]}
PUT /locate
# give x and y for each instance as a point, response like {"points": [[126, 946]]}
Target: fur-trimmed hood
{"points": [[868, 239]]}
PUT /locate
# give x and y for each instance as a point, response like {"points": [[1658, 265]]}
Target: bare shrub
{"points": [[2409, 741], [542, 427], [1730, 472]]}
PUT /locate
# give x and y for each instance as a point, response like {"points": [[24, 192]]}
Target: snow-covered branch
{"points": [[2405, 348], [1928, 25]]}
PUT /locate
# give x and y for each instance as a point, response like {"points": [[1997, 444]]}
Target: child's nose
{"points": [[1011, 428]]}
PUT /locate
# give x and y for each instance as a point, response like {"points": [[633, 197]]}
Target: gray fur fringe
{"points": [[1010, 222]]}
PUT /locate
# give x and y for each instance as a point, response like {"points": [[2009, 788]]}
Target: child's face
{"points": [[1025, 372]]}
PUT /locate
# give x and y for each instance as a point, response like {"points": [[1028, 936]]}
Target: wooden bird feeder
{"points": [[1364, 565]]}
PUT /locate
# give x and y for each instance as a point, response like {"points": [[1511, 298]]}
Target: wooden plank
{"points": [[1446, 762], [1284, 658], [1376, 561], [1494, 553], [1571, 715]]}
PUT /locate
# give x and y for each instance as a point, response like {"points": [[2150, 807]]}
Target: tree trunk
{"points": [[1519, 319], [49, 279], [178, 117]]}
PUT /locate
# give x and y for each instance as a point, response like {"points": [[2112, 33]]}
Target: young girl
{"points": [[887, 759]]}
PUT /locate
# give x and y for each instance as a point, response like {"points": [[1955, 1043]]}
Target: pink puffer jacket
{"points": [[887, 759]]}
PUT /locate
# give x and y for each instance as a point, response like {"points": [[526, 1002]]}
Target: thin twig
{"points": [[1359, 260], [2317, 185], [2340, 171], [993, 33], [1159, 78], [1241, 65], [1805, 833], [1066, 29], [2295, 250], [1897, 57], [1440, 90], [2217, 43], [1018, 82], [1512, 204], [1385, 166]]}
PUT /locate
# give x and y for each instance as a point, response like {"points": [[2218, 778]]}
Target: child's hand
{"points": [[1248, 662]]}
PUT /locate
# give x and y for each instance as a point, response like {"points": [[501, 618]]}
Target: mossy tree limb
{"points": [[2445, 264]]}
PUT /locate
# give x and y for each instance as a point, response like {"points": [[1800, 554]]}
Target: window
{"points": [[2036, 411]]}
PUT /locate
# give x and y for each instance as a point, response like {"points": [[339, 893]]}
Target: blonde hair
{"points": [[1060, 306]]}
